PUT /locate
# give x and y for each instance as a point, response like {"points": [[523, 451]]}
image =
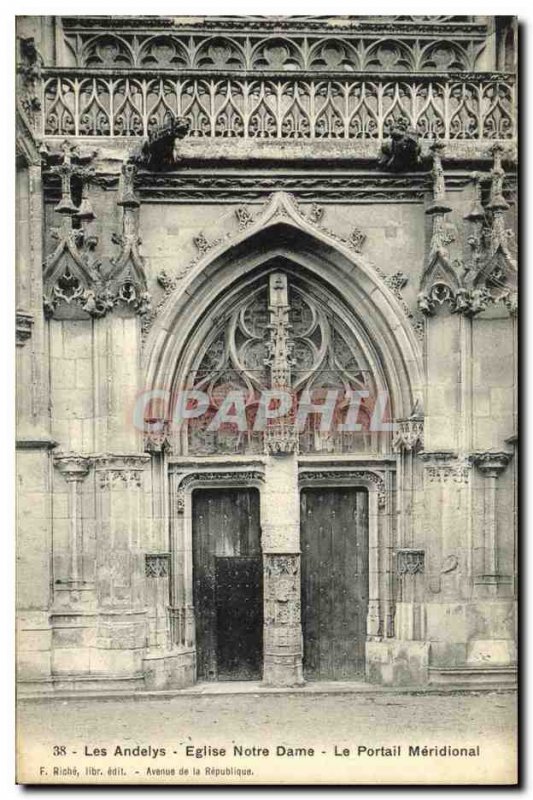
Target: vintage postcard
{"points": [[266, 334]]}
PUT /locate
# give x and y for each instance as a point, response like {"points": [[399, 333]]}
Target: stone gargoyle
{"points": [[401, 152]]}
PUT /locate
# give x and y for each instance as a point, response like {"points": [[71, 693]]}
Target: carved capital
{"points": [[471, 301], [158, 440], [281, 438], [74, 468], [490, 463]]}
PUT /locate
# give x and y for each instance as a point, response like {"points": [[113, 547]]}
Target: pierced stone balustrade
{"points": [[99, 102]]}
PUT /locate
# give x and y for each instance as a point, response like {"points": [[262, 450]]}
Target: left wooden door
{"points": [[228, 584]]}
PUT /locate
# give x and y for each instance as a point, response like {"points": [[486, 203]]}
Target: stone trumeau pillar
{"points": [[280, 514], [280, 524]]}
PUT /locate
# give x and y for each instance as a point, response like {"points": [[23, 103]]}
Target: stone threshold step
{"points": [[257, 689]]}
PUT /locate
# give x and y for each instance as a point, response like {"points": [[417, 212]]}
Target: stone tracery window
{"points": [[322, 354]]}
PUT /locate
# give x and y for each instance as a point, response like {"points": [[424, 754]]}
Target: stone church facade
{"points": [[241, 204]]}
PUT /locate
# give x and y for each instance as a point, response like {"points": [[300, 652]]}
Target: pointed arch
{"points": [[281, 231]]}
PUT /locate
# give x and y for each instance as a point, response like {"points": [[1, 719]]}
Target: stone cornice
{"points": [[35, 441], [355, 25], [242, 183]]}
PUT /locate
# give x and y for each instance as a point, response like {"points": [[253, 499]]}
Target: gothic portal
{"points": [[266, 351]]}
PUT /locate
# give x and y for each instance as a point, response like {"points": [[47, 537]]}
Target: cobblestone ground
{"points": [[318, 721]]}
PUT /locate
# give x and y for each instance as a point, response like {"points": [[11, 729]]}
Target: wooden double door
{"points": [[228, 583]]}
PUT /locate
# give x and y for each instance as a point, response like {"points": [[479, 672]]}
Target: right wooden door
{"points": [[334, 541]]}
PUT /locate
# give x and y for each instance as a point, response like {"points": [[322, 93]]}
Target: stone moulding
{"points": [[364, 477], [324, 186], [187, 481], [233, 477], [458, 25], [120, 460], [329, 187]]}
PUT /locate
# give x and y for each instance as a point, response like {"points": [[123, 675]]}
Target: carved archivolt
{"points": [[280, 206]]}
